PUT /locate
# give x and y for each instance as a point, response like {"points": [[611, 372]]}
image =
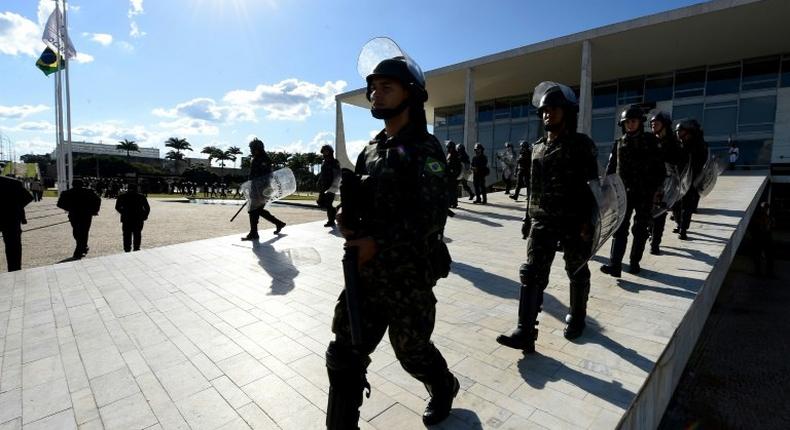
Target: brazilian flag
{"points": [[49, 62]]}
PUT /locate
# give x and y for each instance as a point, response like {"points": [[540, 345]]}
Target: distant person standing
{"points": [[327, 183], [37, 189], [260, 169], [134, 210], [82, 204], [454, 170], [479, 173], [734, 153], [524, 163], [466, 163], [15, 197]]}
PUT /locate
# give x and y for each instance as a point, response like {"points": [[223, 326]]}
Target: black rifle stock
{"points": [[349, 196]]}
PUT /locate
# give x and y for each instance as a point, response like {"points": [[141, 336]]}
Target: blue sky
{"points": [[217, 72]]}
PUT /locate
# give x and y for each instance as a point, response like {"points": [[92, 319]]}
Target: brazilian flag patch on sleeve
{"points": [[433, 166]]}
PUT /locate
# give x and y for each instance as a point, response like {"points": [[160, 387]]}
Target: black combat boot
{"points": [[634, 268], [526, 332], [279, 228], [578, 311], [253, 235], [442, 392], [615, 271], [683, 235], [655, 250]]}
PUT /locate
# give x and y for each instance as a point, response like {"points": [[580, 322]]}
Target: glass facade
{"points": [[734, 100]]}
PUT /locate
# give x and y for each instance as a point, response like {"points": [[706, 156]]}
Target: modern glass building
{"points": [[725, 63]]}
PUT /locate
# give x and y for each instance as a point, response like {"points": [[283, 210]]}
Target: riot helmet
{"points": [[480, 147], [524, 145], [403, 70], [688, 124], [549, 93], [450, 145], [663, 117], [633, 112]]}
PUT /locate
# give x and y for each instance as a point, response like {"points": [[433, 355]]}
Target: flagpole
{"points": [[70, 176], [63, 178]]}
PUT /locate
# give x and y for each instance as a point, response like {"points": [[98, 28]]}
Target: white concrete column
{"points": [[585, 90], [470, 113], [340, 138]]}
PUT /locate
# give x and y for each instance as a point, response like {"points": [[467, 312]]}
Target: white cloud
{"points": [[45, 8], [189, 126], [289, 99], [134, 30], [112, 131], [206, 109], [19, 35], [33, 126], [83, 58], [125, 45], [21, 111], [34, 146], [103, 39]]}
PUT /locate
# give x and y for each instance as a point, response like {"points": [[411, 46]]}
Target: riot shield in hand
{"points": [[670, 192], [706, 180], [609, 210], [264, 190]]}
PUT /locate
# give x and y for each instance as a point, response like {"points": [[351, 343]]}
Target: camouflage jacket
{"points": [[260, 166], [636, 158], [558, 178], [404, 194]]}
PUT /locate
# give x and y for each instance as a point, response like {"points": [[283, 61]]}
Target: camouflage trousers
{"points": [[404, 304], [542, 247], [639, 207]]}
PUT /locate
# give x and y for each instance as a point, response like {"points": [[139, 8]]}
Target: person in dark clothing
{"points": [[454, 170], [82, 204], [260, 169], [693, 147], [479, 173], [466, 163], [328, 180], [15, 197], [524, 162], [668, 147], [134, 211], [508, 160], [635, 157], [559, 208], [401, 252]]}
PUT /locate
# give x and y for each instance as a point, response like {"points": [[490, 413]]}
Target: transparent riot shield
{"points": [[609, 211], [507, 161], [670, 191], [706, 180], [261, 192], [379, 49], [335, 187]]}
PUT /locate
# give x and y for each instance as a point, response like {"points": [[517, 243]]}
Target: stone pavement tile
{"points": [[206, 410], [182, 380], [163, 355], [38, 350], [65, 334], [11, 370], [606, 420], [256, 418], [395, 374], [237, 423], [405, 398], [72, 364], [500, 380], [309, 418], [230, 392], [165, 410], [135, 361], [219, 348], [92, 425], [515, 406], [38, 318], [84, 406], [277, 367], [372, 406], [113, 386], [10, 405], [516, 422], [129, 413], [286, 349], [243, 369], [276, 397], [309, 390], [261, 333], [185, 345], [206, 366], [476, 411], [100, 362], [15, 424], [62, 421], [237, 317], [313, 368], [398, 417], [43, 400], [142, 330], [548, 399], [42, 371]]}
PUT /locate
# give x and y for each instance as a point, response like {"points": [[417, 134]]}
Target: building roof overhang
{"points": [[715, 32]]}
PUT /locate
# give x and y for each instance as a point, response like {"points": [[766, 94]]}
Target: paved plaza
{"points": [[219, 333]]}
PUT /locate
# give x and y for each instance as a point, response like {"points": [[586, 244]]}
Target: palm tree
{"points": [[174, 155], [179, 145], [212, 152], [223, 156], [128, 146], [234, 151]]}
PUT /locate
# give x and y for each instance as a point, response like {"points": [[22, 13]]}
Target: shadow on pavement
{"points": [[277, 264], [609, 391], [467, 217]]}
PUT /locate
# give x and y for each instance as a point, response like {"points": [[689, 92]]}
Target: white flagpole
{"points": [[62, 175], [70, 176]]}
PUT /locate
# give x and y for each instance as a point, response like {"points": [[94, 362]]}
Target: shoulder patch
{"points": [[434, 166]]}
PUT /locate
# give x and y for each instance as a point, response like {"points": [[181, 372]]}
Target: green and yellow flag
{"points": [[49, 62]]}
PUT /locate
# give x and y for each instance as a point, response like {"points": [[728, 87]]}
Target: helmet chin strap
{"points": [[387, 113]]}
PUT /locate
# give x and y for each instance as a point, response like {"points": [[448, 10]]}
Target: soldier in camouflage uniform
{"points": [[661, 126], [403, 202], [635, 157], [559, 206], [524, 163], [260, 166]]}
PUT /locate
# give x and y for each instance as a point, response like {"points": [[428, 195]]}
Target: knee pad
{"points": [[525, 274]]}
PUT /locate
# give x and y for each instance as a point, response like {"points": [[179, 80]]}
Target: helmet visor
{"points": [[383, 48]]}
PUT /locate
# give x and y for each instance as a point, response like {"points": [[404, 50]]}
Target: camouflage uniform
{"points": [[638, 162], [697, 150], [404, 208], [260, 166], [524, 164], [330, 168]]}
